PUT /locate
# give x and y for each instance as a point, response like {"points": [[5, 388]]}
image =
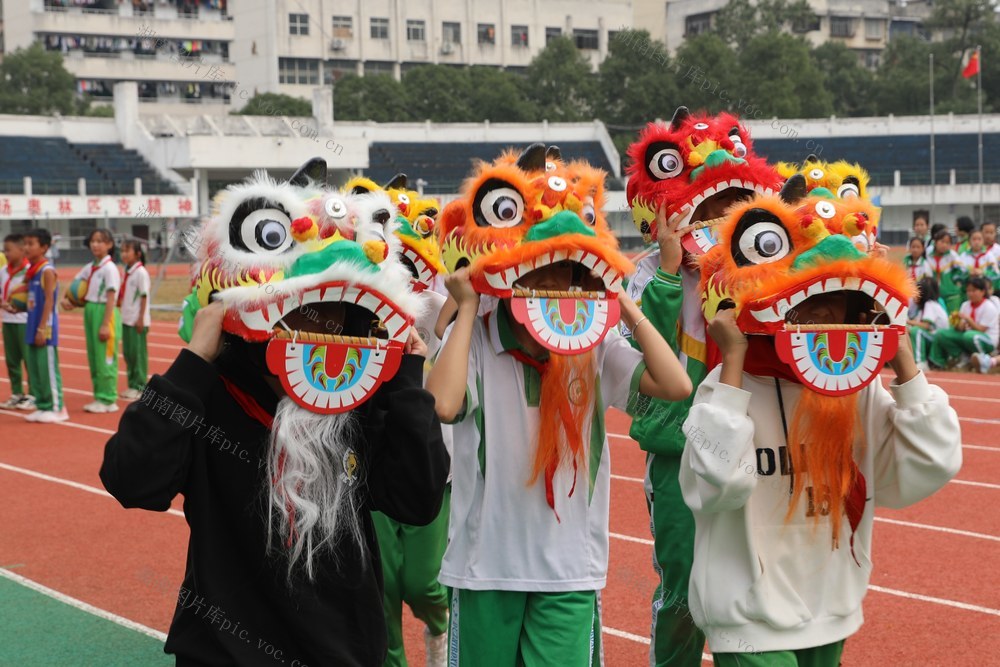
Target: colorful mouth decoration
{"points": [[532, 229], [697, 167], [317, 276], [795, 269]]}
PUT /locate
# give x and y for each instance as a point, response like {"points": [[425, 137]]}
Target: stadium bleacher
{"points": [[908, 154], [445, 165], [55, 165]]}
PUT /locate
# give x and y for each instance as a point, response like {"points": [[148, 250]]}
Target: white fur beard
{"points": [[312, 501]]}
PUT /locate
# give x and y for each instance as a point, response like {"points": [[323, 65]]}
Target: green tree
{"points": [[739, 21], [962, 22], [777, 78], [379, 98], [275, 104], [707, 74], [33, 81], [438, 93], [560, 83], [499, 96], [847, 80], [902, 83], [636, 82]]}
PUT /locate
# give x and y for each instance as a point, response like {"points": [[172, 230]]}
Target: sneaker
{"points": [[97, 407], [50, 416], [437, 648], [12, 401], [982, 363], [33, 416], [130, 394], [26, 403]]}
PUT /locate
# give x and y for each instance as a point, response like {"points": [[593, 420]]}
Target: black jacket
{"points": [[189, 435]]}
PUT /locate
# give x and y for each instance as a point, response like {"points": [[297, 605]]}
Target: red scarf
{"points": [[973, 308], [976, 258], [128, 272], [34, 269], [10, 276]]}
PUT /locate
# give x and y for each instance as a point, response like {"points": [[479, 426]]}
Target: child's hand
{"points": [[6, 306], [878, 250], [460, 287], [727, 334], [415, 344], [206, 336], [65, 304], [140, 327], [104, 333], [669, 241], [40, 337]]}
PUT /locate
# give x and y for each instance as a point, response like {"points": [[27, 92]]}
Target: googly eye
{"points": [[335, 208], [701, 126], [666, 163], [739, 149], [588, 214], [266, 231], [550, 166], [848, 190], [764, 242], [498, 204], [816, 174], [557, 184], [825, 209], [403, 199]]}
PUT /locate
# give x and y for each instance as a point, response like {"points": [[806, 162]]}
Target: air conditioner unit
{"points": [[447, 48], [338, 45]]}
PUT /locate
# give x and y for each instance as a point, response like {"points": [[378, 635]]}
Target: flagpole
{"points": [[933, 169], [979, 96]]}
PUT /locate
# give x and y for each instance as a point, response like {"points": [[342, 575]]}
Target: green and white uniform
{"points": [[656, 426], [951, 343], [14, 324], [134, 288], [102, 356], [950, 274], [411, 555], [525, 581], [934, 314]]}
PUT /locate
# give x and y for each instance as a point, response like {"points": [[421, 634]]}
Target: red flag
{"points": [[972, 67]]}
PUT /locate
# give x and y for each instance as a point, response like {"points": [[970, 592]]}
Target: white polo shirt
{"points": [[8, 283], [100, 279], [135, 286], [502, 533], [986, 314]]}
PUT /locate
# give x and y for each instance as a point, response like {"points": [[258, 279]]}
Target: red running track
{"points": [[934, 599]]}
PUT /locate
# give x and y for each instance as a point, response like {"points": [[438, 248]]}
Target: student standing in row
{"points": [[14, 323], [42, 330], [134, 304], [101, 322]]}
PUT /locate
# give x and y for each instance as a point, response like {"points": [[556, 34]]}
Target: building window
{"points": [[841, 26], [451, 32], [519, 35], [416, 31], [552, 33], [380, 28], [298, 70], [697, 24], [872, 59], [486, 33], [874, 29], [343, 26], [378, 68], [585, 39], [336, 69], [298, 24], [805, 25], [902, 29]]}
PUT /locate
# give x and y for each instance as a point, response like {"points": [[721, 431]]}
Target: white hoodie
{"points": [[759, 583]]}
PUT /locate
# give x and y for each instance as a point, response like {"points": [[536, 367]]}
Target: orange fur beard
{"points": [[567, 401], [821, 450]]}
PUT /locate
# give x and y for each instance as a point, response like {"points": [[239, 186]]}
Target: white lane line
{"points": [[67, 482], [940, 529], [148, 344], [940, 601], [971, 420], [75, 350], [85, 427], [83, 606], [629, 538], [69, 390], [623, 478], [966, 482], [625, 635]]}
